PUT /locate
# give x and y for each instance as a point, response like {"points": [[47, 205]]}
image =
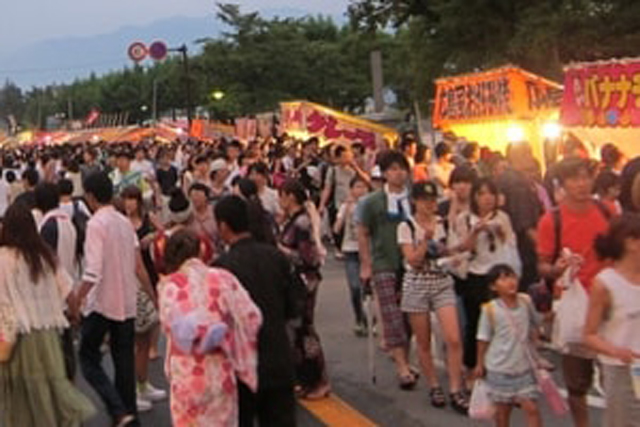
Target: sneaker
{"points": [[143, 405], [360, 330], [149, 393], [125, 421]]}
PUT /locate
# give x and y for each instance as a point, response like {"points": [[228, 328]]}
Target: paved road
{"points": [[347, 357]]}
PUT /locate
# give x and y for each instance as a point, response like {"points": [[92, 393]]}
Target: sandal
{"points": [[299, 391], [438, 399], [415, 371], [460, 402], [407, 382], [319, 393]]}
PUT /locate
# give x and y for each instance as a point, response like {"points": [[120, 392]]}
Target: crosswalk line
{"points": [[333, 411]]}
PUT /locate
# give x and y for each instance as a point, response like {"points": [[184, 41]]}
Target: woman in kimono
{"points": [[212, 327], [300, 242]]}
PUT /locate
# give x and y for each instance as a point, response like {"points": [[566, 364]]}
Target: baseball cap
{"points": [[424, 190], [218, 165]]}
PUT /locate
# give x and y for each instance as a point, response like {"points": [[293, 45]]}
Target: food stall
{"points": [[601, 104], [303, 119], [497, 107]]}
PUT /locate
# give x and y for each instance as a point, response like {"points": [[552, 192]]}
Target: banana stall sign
{"points": [[601, 103]]}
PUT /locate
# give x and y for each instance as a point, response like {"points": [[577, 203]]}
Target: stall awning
{"points": [[501, 94], [305, 119]]}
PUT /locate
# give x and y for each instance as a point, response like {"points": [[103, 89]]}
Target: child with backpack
{"points": [[505, 356]]}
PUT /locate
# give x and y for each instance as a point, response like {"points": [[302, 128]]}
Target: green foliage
{"points": [[256, 63], [445, 37], [260, 62]]}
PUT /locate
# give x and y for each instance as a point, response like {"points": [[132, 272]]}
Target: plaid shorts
{"points": [[423, 292], [393, 324]]}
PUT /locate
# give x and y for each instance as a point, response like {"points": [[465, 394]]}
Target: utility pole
{"points": [[70, 109], [378, 81], [185, 63], [154, 102]]}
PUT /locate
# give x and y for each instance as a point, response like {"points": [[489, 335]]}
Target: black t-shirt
{"points": [[167, 179], [145, 229], [28, 198]]}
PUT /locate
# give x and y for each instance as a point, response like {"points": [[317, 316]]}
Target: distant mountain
{"points": [[64, 59]]}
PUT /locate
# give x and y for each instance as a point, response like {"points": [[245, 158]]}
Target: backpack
{"points": [[541, 292], [522, 299], [80, 220], [557, 226]]}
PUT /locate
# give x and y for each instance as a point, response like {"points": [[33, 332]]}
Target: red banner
{"points": [[305, 119], [602, 94]]}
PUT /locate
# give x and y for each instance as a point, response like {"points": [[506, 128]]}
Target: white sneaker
{"points": [[143, 405], [150, 393]]}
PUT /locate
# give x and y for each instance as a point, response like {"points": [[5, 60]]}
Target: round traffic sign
{"points": [[158, 50], [138, 51]]}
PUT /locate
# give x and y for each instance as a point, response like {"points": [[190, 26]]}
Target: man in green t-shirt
{"points": [[380, 257]]}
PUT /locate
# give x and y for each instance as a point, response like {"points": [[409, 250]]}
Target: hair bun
{"points": [[178, 201]]}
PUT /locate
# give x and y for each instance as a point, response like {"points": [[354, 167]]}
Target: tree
{"points": [[455, 36], [257, 63], [11, 101]]}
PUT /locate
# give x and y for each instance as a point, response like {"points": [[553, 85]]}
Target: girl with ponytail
{"points": [[613, 319]]}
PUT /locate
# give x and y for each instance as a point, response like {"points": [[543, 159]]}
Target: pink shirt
{"points": [[110, 253]]}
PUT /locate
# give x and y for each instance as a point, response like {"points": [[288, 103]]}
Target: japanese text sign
{"points": [[306, 119], [602, 94], [503, 93]]}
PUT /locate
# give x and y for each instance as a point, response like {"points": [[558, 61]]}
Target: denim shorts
{"points": [[511, 388]]}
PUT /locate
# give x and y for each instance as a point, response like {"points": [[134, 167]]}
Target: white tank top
{"points": [[622, 323]]}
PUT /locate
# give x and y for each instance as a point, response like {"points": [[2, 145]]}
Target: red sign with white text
{"points": [[602, 94], [306, 119]]}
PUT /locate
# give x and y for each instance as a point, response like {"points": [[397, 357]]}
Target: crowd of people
{"points": [[220, 247]]}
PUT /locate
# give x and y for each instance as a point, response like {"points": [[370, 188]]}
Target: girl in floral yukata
{"points": [[212, 327]]}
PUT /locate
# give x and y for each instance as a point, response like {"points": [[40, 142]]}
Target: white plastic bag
{"points": [[481, 406], [571, 312]]}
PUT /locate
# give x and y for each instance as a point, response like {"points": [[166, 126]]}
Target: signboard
{"points": [[305, 120], [206, 130], [500, 94], [602, 94], [137, 51], [158, 50]]}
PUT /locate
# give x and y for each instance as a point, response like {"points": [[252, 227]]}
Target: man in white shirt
{"points": [[58, 232], [67, 203], [113, 267], [441, 170], [142, 164], [233, 152], [259, 173], [56, 227]]}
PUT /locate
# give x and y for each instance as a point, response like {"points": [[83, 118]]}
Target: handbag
{"points": [[481, 407], [9, 332], [569, 321], [550, 390], [146, 314]]}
